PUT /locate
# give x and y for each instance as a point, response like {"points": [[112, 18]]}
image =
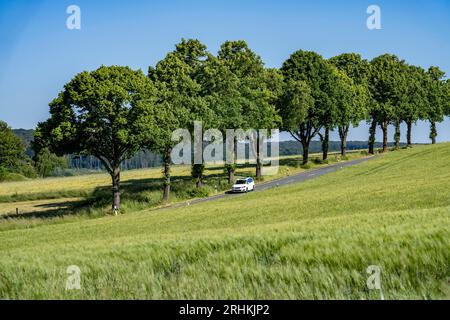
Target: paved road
{"points": [[295, 178]]}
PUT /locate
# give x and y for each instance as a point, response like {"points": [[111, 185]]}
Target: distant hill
{"points": [[27, 135]]}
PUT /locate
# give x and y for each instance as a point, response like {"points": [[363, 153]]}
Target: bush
{"points": [[195, 192], [10, 177], [48, 163], [27, 170]]}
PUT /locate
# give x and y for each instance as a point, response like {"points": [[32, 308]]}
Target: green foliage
{"points": [[198, 192], [388, 83], [415, 101], [352, 96], [3, 173], [12, 177], [12, 149], [27, 169], [297, 106], [437, 95], [48, 163], [14, 163], [180, 101], [241, 92], [317, 103]]}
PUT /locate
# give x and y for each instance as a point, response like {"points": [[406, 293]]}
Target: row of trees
{"points": [[322, 95], [113, 112]]}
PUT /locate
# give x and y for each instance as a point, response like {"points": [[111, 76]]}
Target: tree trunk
{"points": [[258, 159], [231, 168], [384, 126], [230, 171], [305, 152], [397, 135], [343, 132], [372, 133], [166, 175], [408, 133], [116, 189], [197, 173], [258, 169], [325, 144], [433, 132]]}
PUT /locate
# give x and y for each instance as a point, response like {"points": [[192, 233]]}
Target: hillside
{"points": [[305, 241]]}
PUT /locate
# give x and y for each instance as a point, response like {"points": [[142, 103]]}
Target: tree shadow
{"points": [[55, 210]]}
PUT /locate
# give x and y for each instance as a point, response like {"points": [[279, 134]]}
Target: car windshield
{"points": [[242, 181]]}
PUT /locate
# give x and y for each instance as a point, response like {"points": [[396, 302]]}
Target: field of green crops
{"points": [[313, 240]]}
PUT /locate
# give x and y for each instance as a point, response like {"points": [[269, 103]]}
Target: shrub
{"points": [[195, 192], [27, 170], [10, 177], [47, 163]]}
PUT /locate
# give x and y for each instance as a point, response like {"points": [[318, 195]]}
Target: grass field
{"points": [[91, 194], [313, 240]]}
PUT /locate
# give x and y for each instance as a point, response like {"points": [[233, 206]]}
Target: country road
{"points": [[295, 178]]}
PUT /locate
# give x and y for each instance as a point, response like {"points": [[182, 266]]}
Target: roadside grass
{"points": [[141, 189], [313, 240]]}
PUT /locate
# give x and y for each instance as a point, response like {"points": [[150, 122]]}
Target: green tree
{"points": [[339, 90], [47, 163], [310, 68], [106, 113], [239, 90], [437, 100], [353, 101], [12, 149], [179, 100], [414, 103], [253, 93], [221, 89], [265, 115], [297, 109], [387, 87]]}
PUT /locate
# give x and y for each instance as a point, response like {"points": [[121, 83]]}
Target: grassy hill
{"points": [[313, 240]]}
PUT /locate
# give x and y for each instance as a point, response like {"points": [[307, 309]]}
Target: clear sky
{"points": [[38, 54]]}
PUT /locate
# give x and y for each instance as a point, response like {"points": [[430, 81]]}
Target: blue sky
{"points": [[38, 54]]}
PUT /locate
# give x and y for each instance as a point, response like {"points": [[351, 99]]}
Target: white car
{"points": [[243, 185]]}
